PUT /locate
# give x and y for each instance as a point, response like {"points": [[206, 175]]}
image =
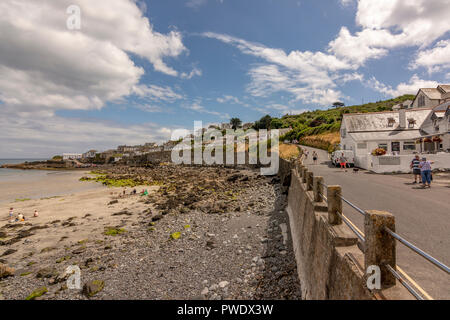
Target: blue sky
{"points": [[138, 69]]}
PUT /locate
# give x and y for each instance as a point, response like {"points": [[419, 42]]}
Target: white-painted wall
{"points": [[372, 163]]}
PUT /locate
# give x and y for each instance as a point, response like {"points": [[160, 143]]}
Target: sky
{"points": [[80, 74]]}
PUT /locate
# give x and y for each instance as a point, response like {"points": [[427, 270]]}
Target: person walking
{"points": [[11, 213], [343, 162], [425, 169], [315, 157], [416, 169]]}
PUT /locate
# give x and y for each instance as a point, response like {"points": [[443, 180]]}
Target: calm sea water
{"points": [[12, 174]]}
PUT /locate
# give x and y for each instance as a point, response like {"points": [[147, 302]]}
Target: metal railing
{"points": [[401, 276]]}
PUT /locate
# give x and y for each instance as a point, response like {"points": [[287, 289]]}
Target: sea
{"points": [[17, 175], [36, 184]]}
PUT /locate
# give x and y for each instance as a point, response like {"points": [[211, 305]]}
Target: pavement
{"points": [[422, 215]]}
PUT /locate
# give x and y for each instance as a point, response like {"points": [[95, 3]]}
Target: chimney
{"points": [[402, 118]]}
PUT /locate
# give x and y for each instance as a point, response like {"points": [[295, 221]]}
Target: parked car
{"points": [[349, 156]]}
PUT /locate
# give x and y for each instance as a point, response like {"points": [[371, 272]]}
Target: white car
{"points": [[349, 156]]}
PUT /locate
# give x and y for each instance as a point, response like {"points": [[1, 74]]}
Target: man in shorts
{"points": [[416, 169]]}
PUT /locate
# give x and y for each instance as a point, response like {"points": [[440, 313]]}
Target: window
{"points": [[409, 145], [343, 133], [362, 145], [411, 123], [421, 101], [391, 122], [383, 146], [395, 146]]}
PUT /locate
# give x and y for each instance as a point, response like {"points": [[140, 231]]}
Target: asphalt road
{"points": [[422, 216]]}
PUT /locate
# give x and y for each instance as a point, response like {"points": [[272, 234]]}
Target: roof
{"points": [[432, 93], [442, 107], [378, 121], [444, 87], [386, 135]]}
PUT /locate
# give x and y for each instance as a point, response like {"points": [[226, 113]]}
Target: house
{"points": [[72, 156], [401, 134], [394, 131], [431, 97], [89, 154], [247, 125], [435, 131]]}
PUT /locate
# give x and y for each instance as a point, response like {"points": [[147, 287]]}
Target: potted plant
{"points": [[379, 152]]}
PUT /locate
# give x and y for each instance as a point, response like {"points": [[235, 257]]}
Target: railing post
{"points": [[309, 181], [380, 245], [334, 204], [318, 188], [304, 173]]}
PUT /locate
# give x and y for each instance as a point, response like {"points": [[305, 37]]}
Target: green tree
{"points": [[338, 104], [235, 123], [263, 123]]}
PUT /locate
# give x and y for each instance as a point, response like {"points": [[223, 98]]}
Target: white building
{"points": [[72, 156], [401, 134]]}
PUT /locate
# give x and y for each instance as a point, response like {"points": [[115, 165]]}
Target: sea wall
{"points": [[330, 263]]}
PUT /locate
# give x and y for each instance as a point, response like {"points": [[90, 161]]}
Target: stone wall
{"points": [[329, 262]]}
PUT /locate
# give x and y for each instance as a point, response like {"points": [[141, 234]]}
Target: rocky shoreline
{"points": [[201, 233]]}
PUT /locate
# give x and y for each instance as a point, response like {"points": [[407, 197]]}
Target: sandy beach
{"points": [[223, 227]]}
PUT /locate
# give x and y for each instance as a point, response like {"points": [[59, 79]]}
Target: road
{"points": [[422, 216]]}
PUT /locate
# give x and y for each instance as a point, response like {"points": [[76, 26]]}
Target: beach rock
{"points": [[5, 271], [157, 217], [113, 202], [91, 288], [79, 250], [122, 213], [46, 273], [8, 252]]}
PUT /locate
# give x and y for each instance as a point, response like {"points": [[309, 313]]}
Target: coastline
{"points": [[37, 184]]}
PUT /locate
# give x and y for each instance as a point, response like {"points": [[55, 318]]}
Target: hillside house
{"points": [[72, 156], [89, 154], [431, 97]]}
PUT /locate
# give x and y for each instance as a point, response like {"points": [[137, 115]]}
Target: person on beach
{"points": [[20, 217], [315, 157], [11, 213], [36, 214], [415, 168], [425, 169]]}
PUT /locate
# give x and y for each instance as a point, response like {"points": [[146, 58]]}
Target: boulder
{"points": [[5, 271], [91, 288]]}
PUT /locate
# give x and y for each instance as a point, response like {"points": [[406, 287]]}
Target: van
{"points": [[349, 156]]}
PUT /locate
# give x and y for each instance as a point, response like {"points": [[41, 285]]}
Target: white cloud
{"points": [[193, 73], [43, 135], [45, 67], [435, 59], [388, 24], [156, 93], [307, 75], [414, 84], [195, 3], [197, 106], [76, 69]]}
